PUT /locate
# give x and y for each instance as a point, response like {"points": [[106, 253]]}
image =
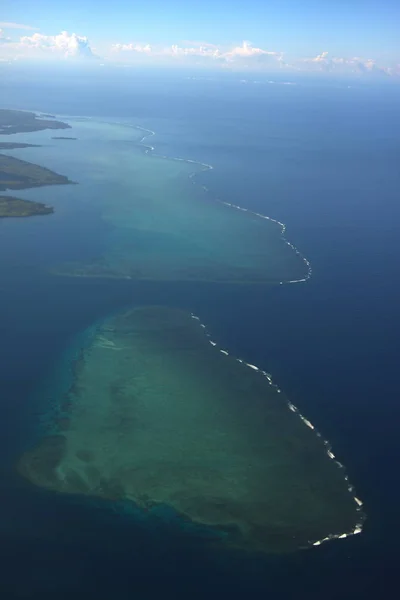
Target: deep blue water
{"points": [[324, 160]]}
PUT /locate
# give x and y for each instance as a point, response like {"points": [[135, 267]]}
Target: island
{"points": [[16, 207], [16, 145], [16, 174], [158, 415], [62, 137], [18, 121]]}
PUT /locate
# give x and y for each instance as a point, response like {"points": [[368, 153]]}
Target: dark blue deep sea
{"points": [[323, 157]]}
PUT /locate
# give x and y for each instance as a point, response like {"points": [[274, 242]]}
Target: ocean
{"points": [[318, 155]]}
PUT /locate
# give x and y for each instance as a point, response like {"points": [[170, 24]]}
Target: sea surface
{"points": [[319, 156]]}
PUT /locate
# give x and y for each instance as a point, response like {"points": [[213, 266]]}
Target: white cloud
{"points": [[321, 57], [140, 48], [63, 45], [244, 56], [395, 70], [220, 55], [6, 25], [203, 50], [322, 62], [246, 50], [174, 51]]}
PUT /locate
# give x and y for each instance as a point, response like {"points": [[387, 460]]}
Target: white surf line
{"points": [[206, 166], [283, 229], [359, 525], [149, 133], [149, 148]]}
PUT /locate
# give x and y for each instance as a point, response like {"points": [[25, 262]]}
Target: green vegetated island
{"points": [[17, 207], [16, 174], [20, 121], [159, 416]]}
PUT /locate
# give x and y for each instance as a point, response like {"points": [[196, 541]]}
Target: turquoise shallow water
{"points": [[162, 224], [158, 414]]}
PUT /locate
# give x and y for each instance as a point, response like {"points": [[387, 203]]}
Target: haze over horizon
{"points": [[358, 37]]}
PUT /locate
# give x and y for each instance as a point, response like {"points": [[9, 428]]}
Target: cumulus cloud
{"points": [[323, 62], [394, 70], [203, 50], [243, 56], [246, 50], [174, 50], [67, 45], [320, 57], [139, 48], [246, 53], [51, 47]]}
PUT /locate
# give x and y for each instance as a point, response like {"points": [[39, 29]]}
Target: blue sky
{"points": [[299, 29]]}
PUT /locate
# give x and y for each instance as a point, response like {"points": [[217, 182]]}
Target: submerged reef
{"points": [[158, 415], [163, 226]]}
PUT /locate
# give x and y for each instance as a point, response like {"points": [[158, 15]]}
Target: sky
{"points": [[310, 35]]}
